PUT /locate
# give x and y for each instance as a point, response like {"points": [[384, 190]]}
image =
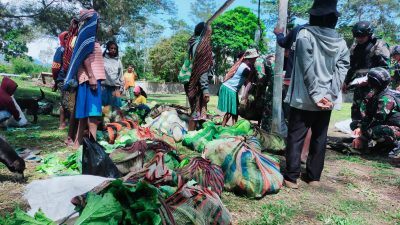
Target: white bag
{"points": [[12, 122], [54, 195]]}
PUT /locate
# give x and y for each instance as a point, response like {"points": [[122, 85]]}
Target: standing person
{"points": [[286, 42], [88, 100], [111, 86], [367, 52], [321, 62], [264, 81], [80, 44], [196, 89], [395, 54], [59, 76], [228, 93], [129, 77]]}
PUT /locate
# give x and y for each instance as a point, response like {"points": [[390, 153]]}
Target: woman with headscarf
{"points": [[90, 73], [111, 86], [228, 93], [59, 76], [197, 88]]}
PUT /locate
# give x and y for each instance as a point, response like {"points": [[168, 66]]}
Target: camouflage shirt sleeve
{"points": [[260, 68], [385, 106], [381, 55]]}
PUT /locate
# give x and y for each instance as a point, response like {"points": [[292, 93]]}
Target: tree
{"points": [[54, 16], [14, 44], [167, 56], [134, 56], [234, 32], [202, 10], [382, 14], [178, 25], [296, 9]]}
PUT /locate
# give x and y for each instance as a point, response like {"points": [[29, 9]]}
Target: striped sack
{"points": [[246, 170], [196, 205], [204, 173]]}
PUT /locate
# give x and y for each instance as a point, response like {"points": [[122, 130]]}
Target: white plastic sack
{"points": [[12, 122], [54, 195], [169, 123], [344, 127]]}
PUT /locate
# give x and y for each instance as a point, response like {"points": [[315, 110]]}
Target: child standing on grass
{"points": [[130, 76]]}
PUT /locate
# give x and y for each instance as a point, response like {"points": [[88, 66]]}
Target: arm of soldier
{"points": [[381, 57], [385, 107], [281, 39], [260, 68], [365, 121]]}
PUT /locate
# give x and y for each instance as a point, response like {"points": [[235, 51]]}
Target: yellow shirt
{"points": [[129, 79], [140, 100]]}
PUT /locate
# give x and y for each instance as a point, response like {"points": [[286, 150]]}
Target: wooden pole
{"points": [[220, 11], [278, 77]]}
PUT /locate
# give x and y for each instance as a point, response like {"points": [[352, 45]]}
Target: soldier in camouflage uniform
{"points": [[367, 52], [395, 54], [264, 68], [380, 114]]}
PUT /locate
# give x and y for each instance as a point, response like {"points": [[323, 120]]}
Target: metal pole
{"points": [[278, 77]]}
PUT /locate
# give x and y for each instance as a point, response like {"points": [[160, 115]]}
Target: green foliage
{"points": [[122, 204], [347, 34], [5, 68], [100, 210], [275, 214], [234, 32], [296, 9], [15, 44], [134, 57], [22, 65], [178, 25], [21, 218], [202, 10], [168, 55], [118, 17], [382, 14]]}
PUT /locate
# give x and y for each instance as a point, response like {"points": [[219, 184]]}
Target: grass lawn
{"points": [[355, 189]]}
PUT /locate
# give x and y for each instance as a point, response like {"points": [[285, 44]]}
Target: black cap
{"points": [[324, 7]]}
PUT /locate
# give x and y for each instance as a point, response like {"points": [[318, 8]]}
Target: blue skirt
{"points": [[88, 102]]}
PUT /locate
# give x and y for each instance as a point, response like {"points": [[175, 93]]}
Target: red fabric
{"points": [[233, 69], [7, 89], [61, 38]]}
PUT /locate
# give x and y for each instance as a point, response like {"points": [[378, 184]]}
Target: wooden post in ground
{"points": [[278, 77]]}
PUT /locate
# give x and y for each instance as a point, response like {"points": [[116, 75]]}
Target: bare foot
{"points": [[62, 126], [69, 142]]}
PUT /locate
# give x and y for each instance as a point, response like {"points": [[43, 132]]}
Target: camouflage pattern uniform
{"points": [[380, 115], [375, 53], [264, 70], [396, 76], [396, 69]]}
